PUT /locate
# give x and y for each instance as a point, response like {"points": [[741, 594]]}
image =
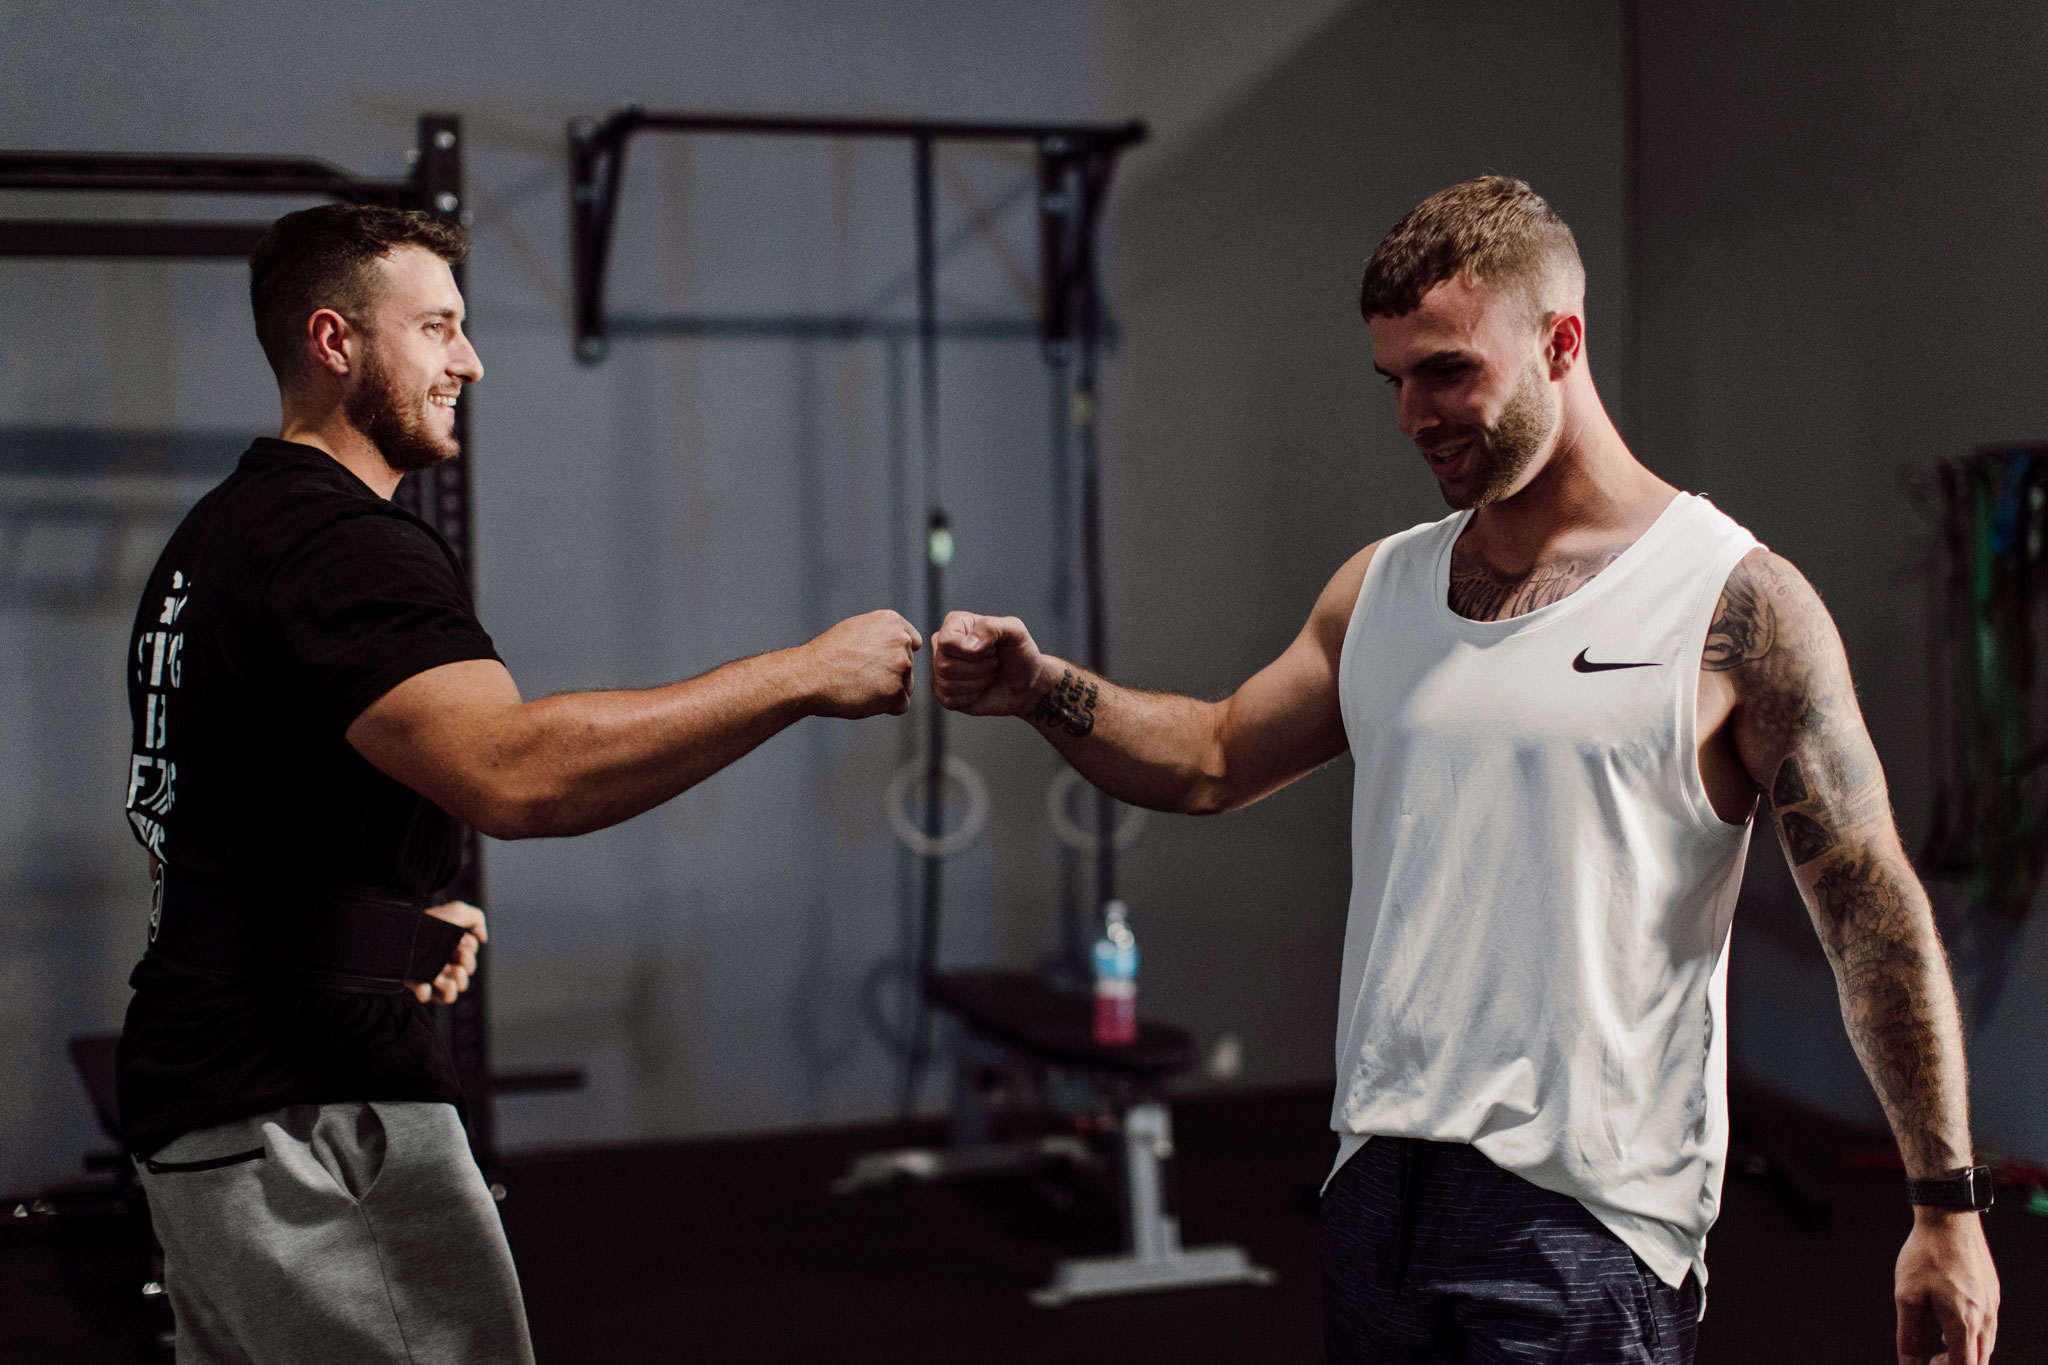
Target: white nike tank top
{"points": [[1535, 961]]}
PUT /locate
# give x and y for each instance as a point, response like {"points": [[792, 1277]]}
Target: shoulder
{"points": [[281, 494], [1410, 548], [258, 521], [367, 548], [1775, 646], [1768, 611], [1348, 579], [1339, 598], [375, 526]]}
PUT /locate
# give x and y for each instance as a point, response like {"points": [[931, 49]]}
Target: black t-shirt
{"points": [[289, 599]]}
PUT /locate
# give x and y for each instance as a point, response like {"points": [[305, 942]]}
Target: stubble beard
{"points": [[395, 419], [1505, 448]]}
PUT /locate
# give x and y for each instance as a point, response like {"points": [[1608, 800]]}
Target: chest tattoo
{"points": [[1481, 591]]}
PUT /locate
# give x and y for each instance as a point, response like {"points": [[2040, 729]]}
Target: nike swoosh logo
{"points": [[1580, 665]]}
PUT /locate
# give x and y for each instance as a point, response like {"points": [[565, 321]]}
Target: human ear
{"points": [[1566, 345], [330, 342]]}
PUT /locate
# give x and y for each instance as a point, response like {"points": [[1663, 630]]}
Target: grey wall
{"points": [[1255, 451], [1845, 272], [685, 503]]}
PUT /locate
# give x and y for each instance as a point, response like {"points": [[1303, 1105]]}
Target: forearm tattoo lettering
{"points": [[1069, 705], [1800, 732]]}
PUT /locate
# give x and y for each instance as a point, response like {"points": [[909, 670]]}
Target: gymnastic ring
{"points": [[1128, 828], [905, 828]]}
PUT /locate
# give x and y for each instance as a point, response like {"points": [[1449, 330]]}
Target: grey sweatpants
{"points": [[348, 1233]]}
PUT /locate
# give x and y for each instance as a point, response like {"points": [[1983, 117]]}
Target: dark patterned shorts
{"points": [[1432, 1255]]}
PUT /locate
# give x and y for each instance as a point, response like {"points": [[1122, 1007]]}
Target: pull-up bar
{"points": [[943, 130], [433, 184], [597, 156]]}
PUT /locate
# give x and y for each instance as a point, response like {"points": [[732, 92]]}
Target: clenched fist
{"points": [[861, 667], [987, 665]]}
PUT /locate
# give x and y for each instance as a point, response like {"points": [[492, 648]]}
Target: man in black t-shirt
{"points": [[315, 709]]}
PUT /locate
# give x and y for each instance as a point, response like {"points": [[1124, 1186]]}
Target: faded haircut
{"points": [[322, 258], [1494, 229]]}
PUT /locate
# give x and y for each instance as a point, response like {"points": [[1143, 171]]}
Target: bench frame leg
{"points": [[1153, 1258]]}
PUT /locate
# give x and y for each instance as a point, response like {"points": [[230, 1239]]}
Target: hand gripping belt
{"points": [[361, 939]]}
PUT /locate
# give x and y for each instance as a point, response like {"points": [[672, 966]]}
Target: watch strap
{"points": [[1968, 1188]]}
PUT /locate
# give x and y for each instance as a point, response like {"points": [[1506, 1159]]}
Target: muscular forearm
{"points": [[1154, 749], [1897, 999], [582, 761], [1900, 1008], [460, 736], [1151, 749]]}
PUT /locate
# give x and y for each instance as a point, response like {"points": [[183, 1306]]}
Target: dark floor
{"points": [[733, 1252]]}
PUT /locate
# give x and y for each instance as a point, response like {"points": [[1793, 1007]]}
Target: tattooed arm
{"points": [[1153, 748], [1799, 733]]}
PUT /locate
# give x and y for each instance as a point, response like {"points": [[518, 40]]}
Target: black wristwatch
{"points": [[1968, 1188]]}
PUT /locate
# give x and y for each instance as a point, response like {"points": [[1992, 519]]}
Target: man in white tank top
{"points": [[1563, 702]]}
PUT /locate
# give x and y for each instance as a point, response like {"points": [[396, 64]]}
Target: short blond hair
{"points": [[1493, 229]]}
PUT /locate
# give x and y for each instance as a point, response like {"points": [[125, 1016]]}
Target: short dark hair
{"points": [[1491, 228], [321, 258]]}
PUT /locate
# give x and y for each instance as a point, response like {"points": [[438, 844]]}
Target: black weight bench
{"points": [[1055, 1026], [1025, 1012]]}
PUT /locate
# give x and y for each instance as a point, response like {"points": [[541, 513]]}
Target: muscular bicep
{"points": [[1799, 731], [1285, 722], [440, 732]]}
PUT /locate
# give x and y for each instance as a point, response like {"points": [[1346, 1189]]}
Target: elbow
{"points": [[505, 821], [500, 818], [510, 810], [1210, 791], [1207, 788]]}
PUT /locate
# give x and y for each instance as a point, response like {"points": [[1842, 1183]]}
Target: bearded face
{"points": [[400, 415], [1504, 448], [1481, 396]]}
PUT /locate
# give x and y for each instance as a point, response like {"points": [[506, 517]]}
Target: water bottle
{"points": [[1116, 979]]}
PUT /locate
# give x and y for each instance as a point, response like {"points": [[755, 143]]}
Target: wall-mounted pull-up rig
{"points": [[1074, 164], [1044, 1021]]}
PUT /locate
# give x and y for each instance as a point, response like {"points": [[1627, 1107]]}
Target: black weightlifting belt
{"points": [[363, 939]]}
